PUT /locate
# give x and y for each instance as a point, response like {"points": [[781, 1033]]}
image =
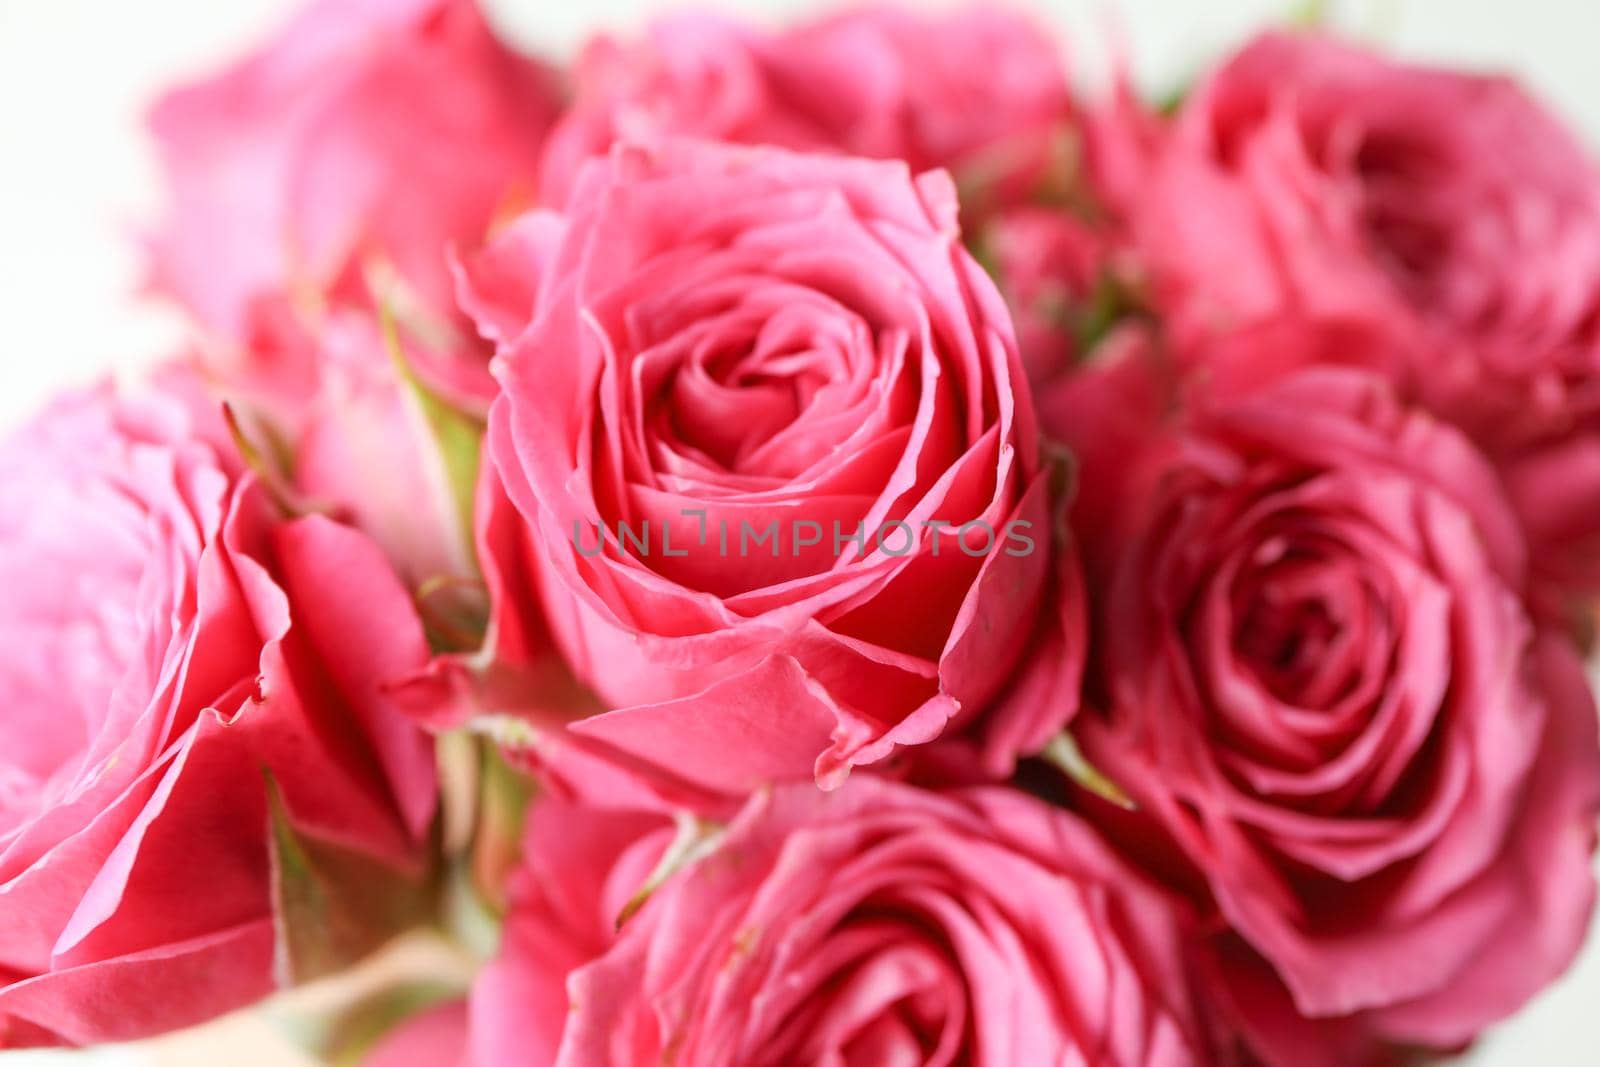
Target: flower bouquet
{"points": [[820, 544]]}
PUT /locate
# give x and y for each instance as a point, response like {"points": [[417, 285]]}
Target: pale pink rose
{"points": [[1312, 178], [1321, 689], [177, 652], [365, 134], [801, 398], [880, 80], [879, 924]]}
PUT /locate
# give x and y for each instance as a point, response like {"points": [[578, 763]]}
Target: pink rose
{"points": [[791, 403], [878, 924], [1445, 208], [318, 186], [1323, 693], [370, 134], [198, 761], [880, 81]]}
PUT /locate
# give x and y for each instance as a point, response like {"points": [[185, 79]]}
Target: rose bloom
{"points": [[319, 184], [1339, 184], [878, 924], [734, 343], [1318, 684], [366, 131], [196, 730], [880, 80]]}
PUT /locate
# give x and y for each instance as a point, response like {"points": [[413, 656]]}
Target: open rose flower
{"points": [[1320, 687], [198, 762], [1446, 207], [880, 80], [778, 478], [878, 924]]}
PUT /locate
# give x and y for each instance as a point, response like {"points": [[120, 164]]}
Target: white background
{"points": [[77, 178]]}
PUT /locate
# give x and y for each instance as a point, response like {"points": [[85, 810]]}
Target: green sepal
{"points": [[484, 803], [1064, 754], [502, 812], [333, 906], [268, 464], [696, 839], [457, 435]]}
